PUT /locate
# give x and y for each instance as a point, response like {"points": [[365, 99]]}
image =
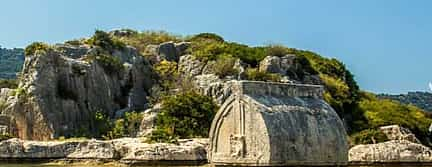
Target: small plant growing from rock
{"points": [[256, 75], [34, 47]]}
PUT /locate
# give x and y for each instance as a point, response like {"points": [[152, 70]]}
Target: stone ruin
{"points": [[276, 124]]}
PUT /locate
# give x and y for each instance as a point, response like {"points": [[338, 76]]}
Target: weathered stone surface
{"points": [[71, 51], [59, 95], [396, 132], [291, 67], [190, 66], [211, 85], [149, 120], [125, 149], [277, 124], [390, 151], [169, 51]]}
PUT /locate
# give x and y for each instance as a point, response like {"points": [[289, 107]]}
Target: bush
{"points": [[185, 115], [368, 136], [5, 137], [210, 50], [143, 39], [8, 83], [276, 50], [74, 42], [109, 63], [256, 75], [103, 40], [127, 126], [35, 46], [207, 36], [167, 71], [224, 66]]}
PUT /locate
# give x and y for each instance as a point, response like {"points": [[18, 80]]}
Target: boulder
{"points": [[292, 68], [396, 132], [189, 66], [148, 122], [168, 51], [394, 151], [210, 85]]}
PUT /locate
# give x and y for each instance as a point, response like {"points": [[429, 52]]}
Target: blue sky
{"points": [[385, 43]]}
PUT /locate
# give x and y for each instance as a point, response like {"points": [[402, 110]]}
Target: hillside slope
{"points": [[11, 61], [421, 100]]}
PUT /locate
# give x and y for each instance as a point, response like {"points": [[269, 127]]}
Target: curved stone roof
{"points": [[265, 123]]}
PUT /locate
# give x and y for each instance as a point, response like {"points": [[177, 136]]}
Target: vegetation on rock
{"points": [[368, 136], [34, 47], [8, 83], [256, 75], [185, 115], [103, 39]]}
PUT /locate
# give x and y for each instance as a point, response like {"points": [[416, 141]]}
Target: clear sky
{"points": [[385, 43]]}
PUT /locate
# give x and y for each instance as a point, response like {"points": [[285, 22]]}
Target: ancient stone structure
{"points": [[272, 124]]}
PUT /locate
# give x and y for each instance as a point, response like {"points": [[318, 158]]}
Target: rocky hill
{"points": [[127, 83], [11, 61], [422, 100]]}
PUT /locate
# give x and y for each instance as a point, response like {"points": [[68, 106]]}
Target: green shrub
{"points": [[224, 66], [75, 42], [210, 50], [102, 124], [168, 74], [127, 126], [142, 39], [8, 83], [111, 64], [35, 46], [5, 137], [103, 40], [368, 136], [256, 75], [207, 36], [185, 115], [276, 50]]}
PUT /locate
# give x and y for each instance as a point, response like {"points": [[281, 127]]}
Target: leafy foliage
{"points": [[207, 37], [111, 64], [141, 40], [185, 115], [35, 46], [224, 66], [256, 75], [5, 137], [368, 136], [381, 112], [277, 50], [8, 83], [11, 61], [125, 127], [103, 40], [167, 71]]}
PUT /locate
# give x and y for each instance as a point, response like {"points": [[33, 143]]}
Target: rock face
{"points": [[396, 132], [128, 150], [60, 93], [273, 124], [169, 51], [293, 67], [390, 151]]}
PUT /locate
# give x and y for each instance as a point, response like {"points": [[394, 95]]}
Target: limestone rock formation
{"points": [[190, 66], [61, 91], [292, 67], [390, 151], [277, 124], [169, 51], [396, 132], [127, 150]]}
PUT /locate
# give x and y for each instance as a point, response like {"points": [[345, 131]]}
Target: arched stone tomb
{"points": [[275, 124]]}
